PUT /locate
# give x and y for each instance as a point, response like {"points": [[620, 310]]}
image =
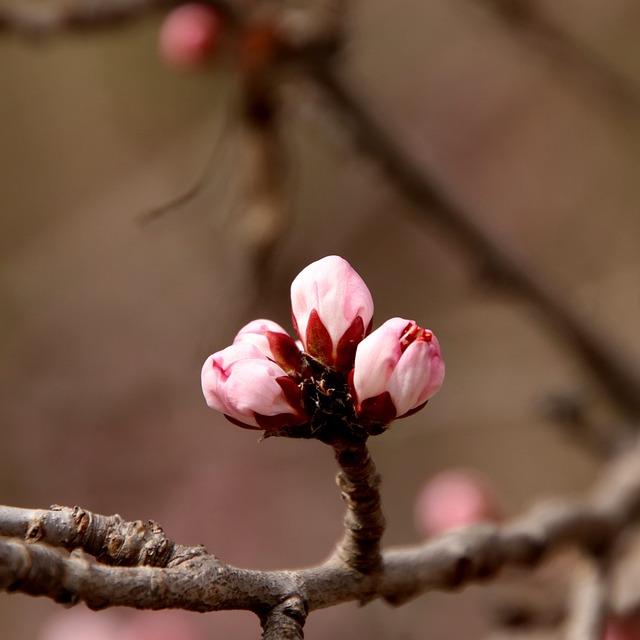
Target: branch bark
{"points": [[201, 582]]}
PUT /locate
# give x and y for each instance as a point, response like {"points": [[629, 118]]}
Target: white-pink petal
{"points": [[410, 378], [255, 333], [406, 364], [334, 289], [240, 381], [376, 358]]}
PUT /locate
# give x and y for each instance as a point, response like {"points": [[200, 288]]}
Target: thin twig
{"points": [[583, 65], [45, 21]]}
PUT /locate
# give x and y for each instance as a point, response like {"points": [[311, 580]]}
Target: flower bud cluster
{"points": [[339, 376]]}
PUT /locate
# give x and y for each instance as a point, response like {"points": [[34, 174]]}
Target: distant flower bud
{"points": [[397, 369], [251, 390], [332, 311], [273, 341], [455, 498]]}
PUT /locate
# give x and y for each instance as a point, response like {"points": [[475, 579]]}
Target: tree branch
{"points": [[528, 23], [588, 607], [203, 583], [41, 20], [110, 539]]}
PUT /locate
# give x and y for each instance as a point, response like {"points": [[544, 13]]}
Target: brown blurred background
{"points": [[104, 323]]}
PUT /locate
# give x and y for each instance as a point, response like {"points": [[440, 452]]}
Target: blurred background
{"points": [[105, 322]]}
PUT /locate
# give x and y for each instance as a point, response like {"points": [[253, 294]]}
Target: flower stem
{"points": [[286, 621], [364, 522]]}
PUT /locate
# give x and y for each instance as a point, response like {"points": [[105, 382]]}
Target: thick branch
{"points": [[617, 375], [203, 583], [480, 551], [110, 539]]}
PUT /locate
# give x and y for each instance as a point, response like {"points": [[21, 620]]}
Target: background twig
{"points": [[617, 375]]}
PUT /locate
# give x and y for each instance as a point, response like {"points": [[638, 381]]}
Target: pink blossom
{"points": [[332, 311], [397, 369], [273, 341], [251, 390]]}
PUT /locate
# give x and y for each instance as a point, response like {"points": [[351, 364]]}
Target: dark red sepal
{"points": [[346, 351], [379, 409], [281, 421], [292, 394], [318, 340], [241, 424], [285, 351]]}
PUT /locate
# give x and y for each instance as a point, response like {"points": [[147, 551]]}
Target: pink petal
{"points": [[337, 293]]}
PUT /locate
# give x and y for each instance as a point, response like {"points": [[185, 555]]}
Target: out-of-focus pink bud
{"points": [[251, 390], [273, 341], [332, 311], [397, 369], [455, 498], [189, 35]]}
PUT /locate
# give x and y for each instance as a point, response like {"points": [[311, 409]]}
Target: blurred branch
{"points": [[617, 375], [529, 23], [570, 413], [42, 20], [265, 218], [588, 605]]}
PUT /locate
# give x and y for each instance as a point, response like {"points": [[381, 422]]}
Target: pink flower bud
{"points": [[251, 390], [332, 311], [397, 369], [273, 341]]}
